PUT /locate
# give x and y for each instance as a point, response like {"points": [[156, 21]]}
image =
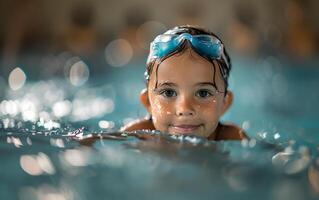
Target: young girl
{"points": [[187, 85]]}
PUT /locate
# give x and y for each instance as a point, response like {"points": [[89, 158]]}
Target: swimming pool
{"points": [[275, 102]]}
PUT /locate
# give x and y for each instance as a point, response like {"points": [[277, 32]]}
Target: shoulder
{"points": [[139, 125], [230, 132]]}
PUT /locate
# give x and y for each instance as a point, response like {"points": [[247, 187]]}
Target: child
{"points": [[187, 80]]}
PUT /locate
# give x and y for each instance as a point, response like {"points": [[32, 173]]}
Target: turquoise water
{"points": [[42, 123]]}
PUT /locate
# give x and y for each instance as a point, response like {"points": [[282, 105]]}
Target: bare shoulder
{"points": [[139, 124], [230, 132]]}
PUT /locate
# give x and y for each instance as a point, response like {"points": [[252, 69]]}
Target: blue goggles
{"points": [[206, 45]]}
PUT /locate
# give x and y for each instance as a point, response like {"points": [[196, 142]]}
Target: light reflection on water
{"points": [[156, 166], [41, 123]]}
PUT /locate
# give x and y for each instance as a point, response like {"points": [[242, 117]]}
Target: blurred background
{"points": [[75, 67], [102, 45], [124, 28]]}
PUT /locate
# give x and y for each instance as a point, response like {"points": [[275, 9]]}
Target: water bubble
{"points": [[17, 78], [262, 135], [276, 136], [106, 124]]}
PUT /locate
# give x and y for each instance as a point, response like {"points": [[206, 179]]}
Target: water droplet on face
{"points": [[158, 107]]}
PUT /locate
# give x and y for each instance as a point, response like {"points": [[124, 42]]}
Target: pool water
{"points": [[45, 124]]}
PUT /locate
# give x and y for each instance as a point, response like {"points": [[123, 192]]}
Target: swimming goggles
{"points": [[206, 45]]}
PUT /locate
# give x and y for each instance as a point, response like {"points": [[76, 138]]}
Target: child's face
{"points": [[185, 100]]}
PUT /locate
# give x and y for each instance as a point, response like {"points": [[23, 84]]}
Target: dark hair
{"points": [[224, 68]]}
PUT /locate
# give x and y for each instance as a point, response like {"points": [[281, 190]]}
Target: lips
{"points": [[185, 128]]}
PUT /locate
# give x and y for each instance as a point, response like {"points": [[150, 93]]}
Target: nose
{"points": [[184, 107]]}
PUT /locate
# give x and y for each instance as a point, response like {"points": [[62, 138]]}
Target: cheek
{"points": [[210, 109], [160, 111]]}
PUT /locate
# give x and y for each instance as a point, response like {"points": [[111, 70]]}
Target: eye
{"points": [[168, 93], [204, 93]]}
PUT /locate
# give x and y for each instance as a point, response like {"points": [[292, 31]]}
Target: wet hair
{"points": [[221, 63]]}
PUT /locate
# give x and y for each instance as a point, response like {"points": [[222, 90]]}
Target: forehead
{"points": [[187, 67]]}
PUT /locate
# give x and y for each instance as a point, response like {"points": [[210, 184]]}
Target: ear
{"points": [[145, 100], [228, 100]]}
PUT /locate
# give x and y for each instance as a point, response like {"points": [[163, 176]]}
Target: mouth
{"points": [[185, 128]]}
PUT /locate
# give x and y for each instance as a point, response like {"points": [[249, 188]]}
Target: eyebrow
{"points": [[170, 84], [206, 83]]}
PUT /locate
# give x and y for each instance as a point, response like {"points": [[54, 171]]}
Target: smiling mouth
{"points": [[184, 129]]}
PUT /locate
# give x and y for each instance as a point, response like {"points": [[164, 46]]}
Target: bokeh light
{"points": [[118, 53], [62, 108], [79, 73], [148, 31], [17, 78]]}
